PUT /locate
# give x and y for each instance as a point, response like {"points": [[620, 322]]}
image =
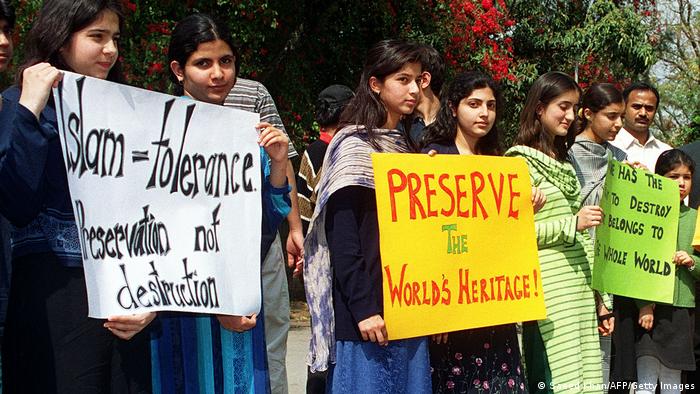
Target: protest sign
{"points": [[457, 240], [166, 196], [636, 242]]}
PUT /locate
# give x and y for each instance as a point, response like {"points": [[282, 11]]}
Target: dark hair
{"points": [[432, 62], [366, 109], [7, 12], [58, 20], [331, 102], [640, 86], [673, 158], [546, 88], [444, 129], [596, 98], [188, 34]]}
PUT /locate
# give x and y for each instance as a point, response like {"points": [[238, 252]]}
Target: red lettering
{"points": [[393, 189], [500, 280], [395, 291], [416, 290], [509, 291], [460, 195], [484, 295], [426, 296], [512, 213], [498, 196], [526, 286], [429, 193], [463, 286], [518, 292], [441, 180], [436, 293], [413, 189], [475, 194], [407, 295]]}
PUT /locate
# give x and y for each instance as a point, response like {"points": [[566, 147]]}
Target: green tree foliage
{"points": [[678, 70], [296, 48]]}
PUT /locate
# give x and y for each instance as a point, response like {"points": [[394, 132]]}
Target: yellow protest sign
{"points": [[457, 240]]}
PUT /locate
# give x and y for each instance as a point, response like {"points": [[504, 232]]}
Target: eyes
{"points": [[675, 177], [102, 38], [204, 63], [474, 104], [648, 108]]}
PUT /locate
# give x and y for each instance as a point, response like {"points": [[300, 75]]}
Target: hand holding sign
{"points": [[588, 216], [37, 82]]}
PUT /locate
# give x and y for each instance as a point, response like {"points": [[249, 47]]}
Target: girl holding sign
{"points": [[599, 119], [50, 344], [482, 358], [664, 338], [212, 354], [563, 348], [342, 270]]}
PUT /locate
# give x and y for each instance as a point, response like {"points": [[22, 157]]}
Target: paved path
{"points": [[297, 347]]}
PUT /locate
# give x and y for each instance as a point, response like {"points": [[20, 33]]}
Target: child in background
{"points": [[664, 344]]}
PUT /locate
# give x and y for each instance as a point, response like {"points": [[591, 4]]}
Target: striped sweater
{"points": [[569, 332]]}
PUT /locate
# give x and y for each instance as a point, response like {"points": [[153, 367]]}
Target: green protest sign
{"points": [[636, 242]]}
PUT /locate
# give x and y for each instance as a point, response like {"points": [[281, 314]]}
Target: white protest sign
{"points": [[166, 196]]}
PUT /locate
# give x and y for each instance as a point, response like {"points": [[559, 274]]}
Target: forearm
{"points": [[293, 218], [278, 173]]}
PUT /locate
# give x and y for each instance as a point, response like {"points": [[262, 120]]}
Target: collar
{"points": [[627, 140], [325, 137]]}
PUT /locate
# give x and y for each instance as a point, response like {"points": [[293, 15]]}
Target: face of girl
{"points": [[93, 50], [398, 92], [684, 177], [476, 114], [209, 73], [557, 116], [606, 123]]}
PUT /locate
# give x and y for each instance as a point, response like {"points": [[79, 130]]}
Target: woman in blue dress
{"points": [[218, 354]]}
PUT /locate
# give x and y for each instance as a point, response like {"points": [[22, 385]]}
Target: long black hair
{"points": [[444, 129], [596, 98], [366, 109], [188, 34], [546, 88], [58, 20]]}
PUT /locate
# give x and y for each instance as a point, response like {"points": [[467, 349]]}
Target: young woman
{"points": [[50, 344], [563, 348], [599, 119], [218, 354], [343, 269], [664, 338], [472, 361]]}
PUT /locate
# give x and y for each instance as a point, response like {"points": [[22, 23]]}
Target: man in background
{"points": [[641, 104]]}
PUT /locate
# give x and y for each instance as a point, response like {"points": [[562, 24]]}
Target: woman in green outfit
{"points": [[562, 352]]}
